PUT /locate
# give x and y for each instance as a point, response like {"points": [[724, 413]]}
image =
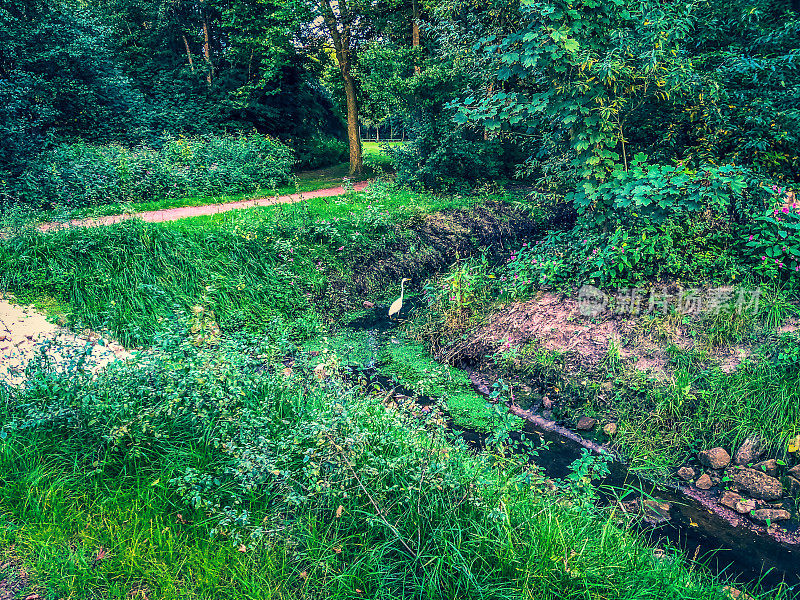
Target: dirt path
{"points": [[174, 214]]}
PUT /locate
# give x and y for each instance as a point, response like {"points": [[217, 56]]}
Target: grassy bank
{"points": [[310, 489], [213, 467]]}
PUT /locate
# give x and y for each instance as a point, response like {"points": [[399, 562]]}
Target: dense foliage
{"points": [[79, 175], [338, 495], [273, 432]]}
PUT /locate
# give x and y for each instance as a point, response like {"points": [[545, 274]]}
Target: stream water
{"points": [[689, 519]]}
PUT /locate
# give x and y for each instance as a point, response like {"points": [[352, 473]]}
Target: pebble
{"points": [[586, 423], [610, 429], [686, 473]]}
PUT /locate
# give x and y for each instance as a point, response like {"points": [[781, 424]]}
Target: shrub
{"points": [[655, 193], [319, 152], [441, 156], [647, 223], [690, 250], [78, 175], [346, 491], [775, 239]]}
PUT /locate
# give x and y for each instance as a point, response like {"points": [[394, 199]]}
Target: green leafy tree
{"points": [[58, 79], [577, 75]]}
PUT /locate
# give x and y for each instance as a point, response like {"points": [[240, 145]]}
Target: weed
{"points": [[775, 307]]}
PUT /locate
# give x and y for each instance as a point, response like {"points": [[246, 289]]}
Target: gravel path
{"points": [[174, 214]]}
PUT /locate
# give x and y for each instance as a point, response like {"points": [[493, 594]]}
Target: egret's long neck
{"points": [[402, 289]]}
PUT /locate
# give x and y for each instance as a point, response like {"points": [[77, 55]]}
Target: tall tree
{"points": [[346, 27], [339, 22]]}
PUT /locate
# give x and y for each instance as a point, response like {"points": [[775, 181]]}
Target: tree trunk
{"points": [[415, 30], [341, 43], [353, 127], [207, 49], [188, 52]]}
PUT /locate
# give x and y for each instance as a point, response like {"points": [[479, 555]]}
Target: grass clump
{"points": [[81, 175]]}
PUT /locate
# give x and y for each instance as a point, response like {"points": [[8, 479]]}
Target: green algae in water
{"points": [[352, 347], [411, 366]]}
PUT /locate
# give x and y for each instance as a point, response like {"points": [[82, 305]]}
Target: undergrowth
{"points": [[307, 488]]}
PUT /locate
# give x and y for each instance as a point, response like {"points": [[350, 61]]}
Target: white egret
{"points": [[398, 304]]}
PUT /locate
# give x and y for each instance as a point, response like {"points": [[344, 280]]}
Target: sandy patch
{"points": [[26, 334]]}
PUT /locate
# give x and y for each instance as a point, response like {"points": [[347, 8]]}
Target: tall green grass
{"points": [[254, 268], [667, 424], [344, 499]]}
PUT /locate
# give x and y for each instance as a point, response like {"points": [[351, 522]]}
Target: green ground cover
{"points": [[205, 470], [376, 162], [263, 267], [111, 486]]}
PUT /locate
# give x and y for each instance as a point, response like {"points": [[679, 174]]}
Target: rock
{"points": [[686, 473], [730, 499], [610, 429], [794, 486], [770, 467], [716, 458], [653, 512], [756, 483], [368, 304], [736, 502], [546, 402], [795, 472], [586, 423], [547, 414], [704, 483], [736, 594], [771, 514], [320, 372], [751, 449]]}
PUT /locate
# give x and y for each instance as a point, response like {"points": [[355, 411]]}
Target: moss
{"points": [[352, 347]]}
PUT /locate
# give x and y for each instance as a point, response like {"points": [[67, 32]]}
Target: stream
{"points": [[729, 544]]}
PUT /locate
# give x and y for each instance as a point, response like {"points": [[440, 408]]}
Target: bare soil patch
{"points": [[556, 324], [26, 334]]}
